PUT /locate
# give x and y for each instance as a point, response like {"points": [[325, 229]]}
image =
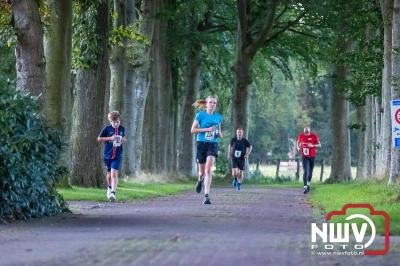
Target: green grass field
{"points": [[127, 191], [270, 171], [329, 197]]}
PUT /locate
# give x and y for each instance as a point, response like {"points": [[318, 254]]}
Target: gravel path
{"points": [[256, 226]]}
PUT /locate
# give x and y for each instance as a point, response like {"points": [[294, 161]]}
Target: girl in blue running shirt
{"points": [[207, 126]]}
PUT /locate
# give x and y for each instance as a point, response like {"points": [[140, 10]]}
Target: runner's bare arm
{"points": [[102, 139], [298, 144], [124, 140], [315, 145], [248, 151], [195, 128], [220, 131]]}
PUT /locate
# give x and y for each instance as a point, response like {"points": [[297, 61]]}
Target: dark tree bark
{"points": [[58, 65], [29, 51], [163, 87], [158, 107], [341, 160], [138, 85], [173, 148], [191, 88], [368, 150], [385, 149], [118, 61], [248, 44], [88, 111], [361, 168]]}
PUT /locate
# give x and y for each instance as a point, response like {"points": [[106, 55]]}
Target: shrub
{"points": [[29, 154]]}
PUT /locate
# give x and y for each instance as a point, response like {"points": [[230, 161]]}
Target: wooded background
{"points": [[274, 65]]}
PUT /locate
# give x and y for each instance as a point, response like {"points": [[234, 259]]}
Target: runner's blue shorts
{"points": [[112, 163]]}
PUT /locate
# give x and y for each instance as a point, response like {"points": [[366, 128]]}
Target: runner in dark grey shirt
{"points": [[239, 149]]}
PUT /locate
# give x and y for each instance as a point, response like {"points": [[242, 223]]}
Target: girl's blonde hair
{"points": [[202, 103]]}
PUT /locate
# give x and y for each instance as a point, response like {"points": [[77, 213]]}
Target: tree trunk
{"points": [[163, 91], [191, 88], [173, 148], [373, 140], [361, 170], [118, 61], [341, 167], [395, 91], [138, 82], [58, 65], [385, 147], [88, 111], [368, 141], [158, 107], [29, 51], [149, 156], [128, 101], [247, 46], [240, 91], [378, 137]]}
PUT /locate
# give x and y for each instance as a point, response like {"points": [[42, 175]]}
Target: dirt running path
{"points": [[256, 226]]}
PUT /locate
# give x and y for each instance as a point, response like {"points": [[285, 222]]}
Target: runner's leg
{"points": [[312, 159], [202, 168], [208, 174], [306, 169], [114, 179]]}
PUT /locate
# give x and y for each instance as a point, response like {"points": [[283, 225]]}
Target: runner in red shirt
{"points": [[307, 142]]}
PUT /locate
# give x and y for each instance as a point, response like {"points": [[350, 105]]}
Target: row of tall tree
{"points": [[151, 59]]}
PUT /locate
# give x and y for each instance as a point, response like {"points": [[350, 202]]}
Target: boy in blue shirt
{"points": [[113, 136]]}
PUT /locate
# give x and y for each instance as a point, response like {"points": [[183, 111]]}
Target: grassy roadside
{"points": [[330, 197], [127, 191]]}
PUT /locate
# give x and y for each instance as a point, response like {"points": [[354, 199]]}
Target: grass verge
{"points": [[330, 197], [127, 191]]}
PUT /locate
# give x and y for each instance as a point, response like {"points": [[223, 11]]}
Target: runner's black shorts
{"points": [[205, 149], [239, 163]]}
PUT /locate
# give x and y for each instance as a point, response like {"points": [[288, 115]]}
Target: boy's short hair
{"points": [[113, 116]]}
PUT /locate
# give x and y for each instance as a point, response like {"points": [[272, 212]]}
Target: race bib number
{"points": [[306, 151], [117, 141], [209, 135], [238, 154]]}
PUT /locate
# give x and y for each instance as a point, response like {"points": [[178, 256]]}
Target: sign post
{"points": [[395, 106]]}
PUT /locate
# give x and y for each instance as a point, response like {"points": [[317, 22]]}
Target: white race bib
{"points": [[306, 151], [209, 135], [117, 141], [238, 154]]}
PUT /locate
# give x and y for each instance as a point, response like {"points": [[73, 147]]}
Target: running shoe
{"points": [[305, 190], [308, 188], [112, 196], [206, 200], [199, 185], [238, 186], [234, 182]]}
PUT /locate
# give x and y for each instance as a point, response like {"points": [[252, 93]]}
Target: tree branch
{"points": [[288, 25], [259, 41], [219, 28], [243, 16], [282, 12], [303, 33]]}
